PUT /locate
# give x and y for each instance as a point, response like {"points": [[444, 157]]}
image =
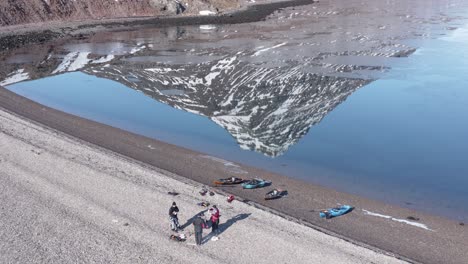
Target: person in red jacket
{"points": [[214, 218]]}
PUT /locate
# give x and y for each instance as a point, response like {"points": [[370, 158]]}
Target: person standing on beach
{"points": [[199, 224], [173, 211], [214, 218]]}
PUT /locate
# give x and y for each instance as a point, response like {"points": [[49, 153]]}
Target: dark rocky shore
{"points": [[43, 32]]}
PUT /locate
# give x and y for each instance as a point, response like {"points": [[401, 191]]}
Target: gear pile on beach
{"points": [[201, 221]]}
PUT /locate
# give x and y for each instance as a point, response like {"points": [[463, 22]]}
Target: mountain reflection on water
{"points": [[268, 83], [264, 109], [265, 83]]}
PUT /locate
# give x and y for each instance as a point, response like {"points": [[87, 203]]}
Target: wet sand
{"points": [[374, 225]]}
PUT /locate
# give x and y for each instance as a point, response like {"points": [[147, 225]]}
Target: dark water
{"points": [[368, 98]]}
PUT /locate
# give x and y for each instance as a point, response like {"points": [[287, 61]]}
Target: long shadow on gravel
{"points": [[230, 222], [190, 221], [225, 226]]}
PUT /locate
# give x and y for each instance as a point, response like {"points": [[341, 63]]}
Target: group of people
{"points": [[199, 223]]}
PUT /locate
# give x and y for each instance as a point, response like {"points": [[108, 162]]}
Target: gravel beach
{"points": [[66, 201], [372, 225]]}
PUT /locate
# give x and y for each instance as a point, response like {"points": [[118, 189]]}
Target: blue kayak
{"points": [[337, 211], [255, 183]]}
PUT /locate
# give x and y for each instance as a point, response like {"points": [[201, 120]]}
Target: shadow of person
{"points": [[190, 221], [223, 227]]}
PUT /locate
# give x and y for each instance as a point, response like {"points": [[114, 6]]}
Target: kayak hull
{"points": [[256, 183], [228, 181], [272, 195], [337, 211]]}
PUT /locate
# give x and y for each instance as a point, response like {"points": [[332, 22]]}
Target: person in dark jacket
{"points": [[199, 224], [173, 211]]}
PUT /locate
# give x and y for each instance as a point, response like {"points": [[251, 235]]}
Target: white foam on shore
{"points": [[423, 226], [207, 27], [15, 77], [206, 13]]}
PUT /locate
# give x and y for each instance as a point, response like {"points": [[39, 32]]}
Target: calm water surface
{"points": [[370, 100]]}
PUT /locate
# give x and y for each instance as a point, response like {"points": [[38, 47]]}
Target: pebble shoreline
{"points": [[384, 231]]}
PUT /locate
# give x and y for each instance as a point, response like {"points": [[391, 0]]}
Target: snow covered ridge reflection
{"points": [[265, 109]]}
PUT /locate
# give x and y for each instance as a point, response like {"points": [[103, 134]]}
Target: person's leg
{"points": [[173, 226], [215, 227], [198, 237]]}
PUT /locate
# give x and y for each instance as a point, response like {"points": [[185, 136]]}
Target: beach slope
{"points": [[66, 201]]}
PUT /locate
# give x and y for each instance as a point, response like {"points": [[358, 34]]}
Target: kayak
{"points": [[255, 183], [275, 194], [228, 181], [337, 211]]}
